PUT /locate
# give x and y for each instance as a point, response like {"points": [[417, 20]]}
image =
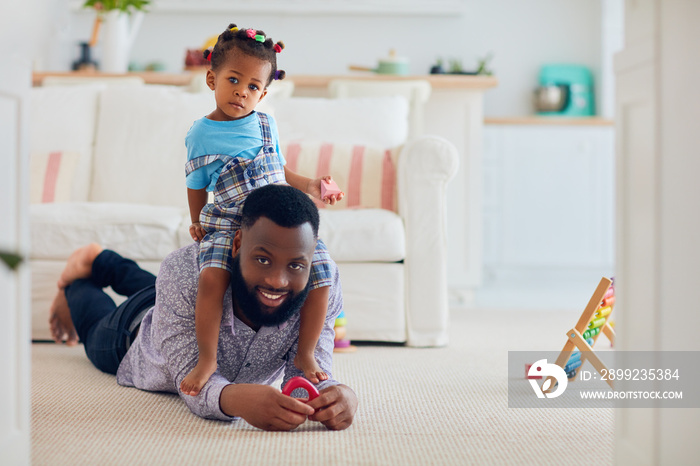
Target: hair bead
{"points": [[251, 42]]}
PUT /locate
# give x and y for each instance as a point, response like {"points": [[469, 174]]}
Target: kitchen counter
{"points": [[549, 120], [437, 81]]}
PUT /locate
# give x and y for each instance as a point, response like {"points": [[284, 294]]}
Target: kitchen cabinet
{"points": [[548, 199]]}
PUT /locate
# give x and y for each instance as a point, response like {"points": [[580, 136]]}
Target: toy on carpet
{"points": [[593, 321], [527, 372], [300, 382], [340, 343]]}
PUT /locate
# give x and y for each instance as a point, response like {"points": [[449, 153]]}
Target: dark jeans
{"points": [[102, 326]]}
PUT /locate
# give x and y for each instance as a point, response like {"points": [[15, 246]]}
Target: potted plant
{"points": [[122, 19], [125, 6]]}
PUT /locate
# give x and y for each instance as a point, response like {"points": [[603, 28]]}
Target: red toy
{"points": [[527, 370], [300, 382], [329, 188]]}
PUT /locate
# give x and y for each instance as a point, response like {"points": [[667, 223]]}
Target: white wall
{"points": [[522, 35]]}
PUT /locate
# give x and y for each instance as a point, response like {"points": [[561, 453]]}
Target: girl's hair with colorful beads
{"points": [[249, 41]]}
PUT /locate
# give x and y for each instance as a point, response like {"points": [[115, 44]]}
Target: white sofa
{"points": [[107, 165]]}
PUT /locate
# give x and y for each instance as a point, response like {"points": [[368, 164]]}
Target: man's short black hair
{"points": [[286, 206]]}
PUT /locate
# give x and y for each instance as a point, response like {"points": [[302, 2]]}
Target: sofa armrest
{"points": [[425, 166]]}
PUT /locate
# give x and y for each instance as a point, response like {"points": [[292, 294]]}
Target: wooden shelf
{"points": [[150, 77], [549, 120], [437, 81]]}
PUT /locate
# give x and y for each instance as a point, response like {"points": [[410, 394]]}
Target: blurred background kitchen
{"points": [[326, 36], [548, 135]]}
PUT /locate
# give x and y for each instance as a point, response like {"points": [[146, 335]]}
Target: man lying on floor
{"points": [[149, 340]]}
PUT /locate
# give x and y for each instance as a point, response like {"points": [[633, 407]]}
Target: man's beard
{"points": [[251, 307]]}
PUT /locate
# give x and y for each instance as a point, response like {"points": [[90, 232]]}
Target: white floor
{"points": [[418, 406], [543, 291]]}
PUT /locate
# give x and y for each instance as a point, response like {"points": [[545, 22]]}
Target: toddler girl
{"points": [[230, 152]]}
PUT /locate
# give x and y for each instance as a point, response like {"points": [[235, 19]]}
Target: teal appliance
{"points": [[565, 90]]}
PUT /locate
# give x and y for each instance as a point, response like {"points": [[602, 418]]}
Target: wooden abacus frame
{"points": [[575, 335]]}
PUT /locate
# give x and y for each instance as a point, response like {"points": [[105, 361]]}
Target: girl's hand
{"points": [[197, 232], [315, 190]]}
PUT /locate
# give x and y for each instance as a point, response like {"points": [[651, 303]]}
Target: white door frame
{"points": [[23, 30], [14, 284], [658, 202]]}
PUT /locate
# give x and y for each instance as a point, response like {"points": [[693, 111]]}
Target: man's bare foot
{"points": [[195, 380], [60, 322], [307, 364], [79, 264]]}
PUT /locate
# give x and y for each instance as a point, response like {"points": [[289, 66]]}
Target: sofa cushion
{"points": [[63, 120], [379, 121], [374, 301], [140, 232], [52, 175], [363, 235], [140, 151], [367, 174]]}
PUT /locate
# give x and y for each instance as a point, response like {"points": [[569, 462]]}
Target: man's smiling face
{"points": [[271, 271]]}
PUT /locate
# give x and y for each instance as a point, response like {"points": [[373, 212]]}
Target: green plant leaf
{"points": [[126, 6], [12, 260]]}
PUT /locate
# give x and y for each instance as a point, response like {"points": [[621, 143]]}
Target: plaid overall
{"points": [[222, 218]]}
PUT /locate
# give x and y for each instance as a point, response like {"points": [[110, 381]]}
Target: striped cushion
{"points": [[52, 176], [366, 174]]}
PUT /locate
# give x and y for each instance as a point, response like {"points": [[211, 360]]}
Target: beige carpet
{"points": [[417, 406]]}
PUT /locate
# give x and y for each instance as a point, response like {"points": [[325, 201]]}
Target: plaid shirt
{"points": [[238, 177]]}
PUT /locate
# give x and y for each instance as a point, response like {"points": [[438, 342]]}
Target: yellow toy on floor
{"points": [[342, 344]]}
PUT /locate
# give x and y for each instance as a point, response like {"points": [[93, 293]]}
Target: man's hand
{"points": [[335, 407], [264, 407]]}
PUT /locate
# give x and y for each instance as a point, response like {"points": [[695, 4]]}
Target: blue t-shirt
{"points": [[237, 138]]}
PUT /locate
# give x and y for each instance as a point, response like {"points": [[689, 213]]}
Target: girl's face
{"points": [[238, 85]]}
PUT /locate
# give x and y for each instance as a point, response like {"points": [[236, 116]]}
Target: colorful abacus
{"points": [[341, 343], [583, 336], [573, 364]]}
